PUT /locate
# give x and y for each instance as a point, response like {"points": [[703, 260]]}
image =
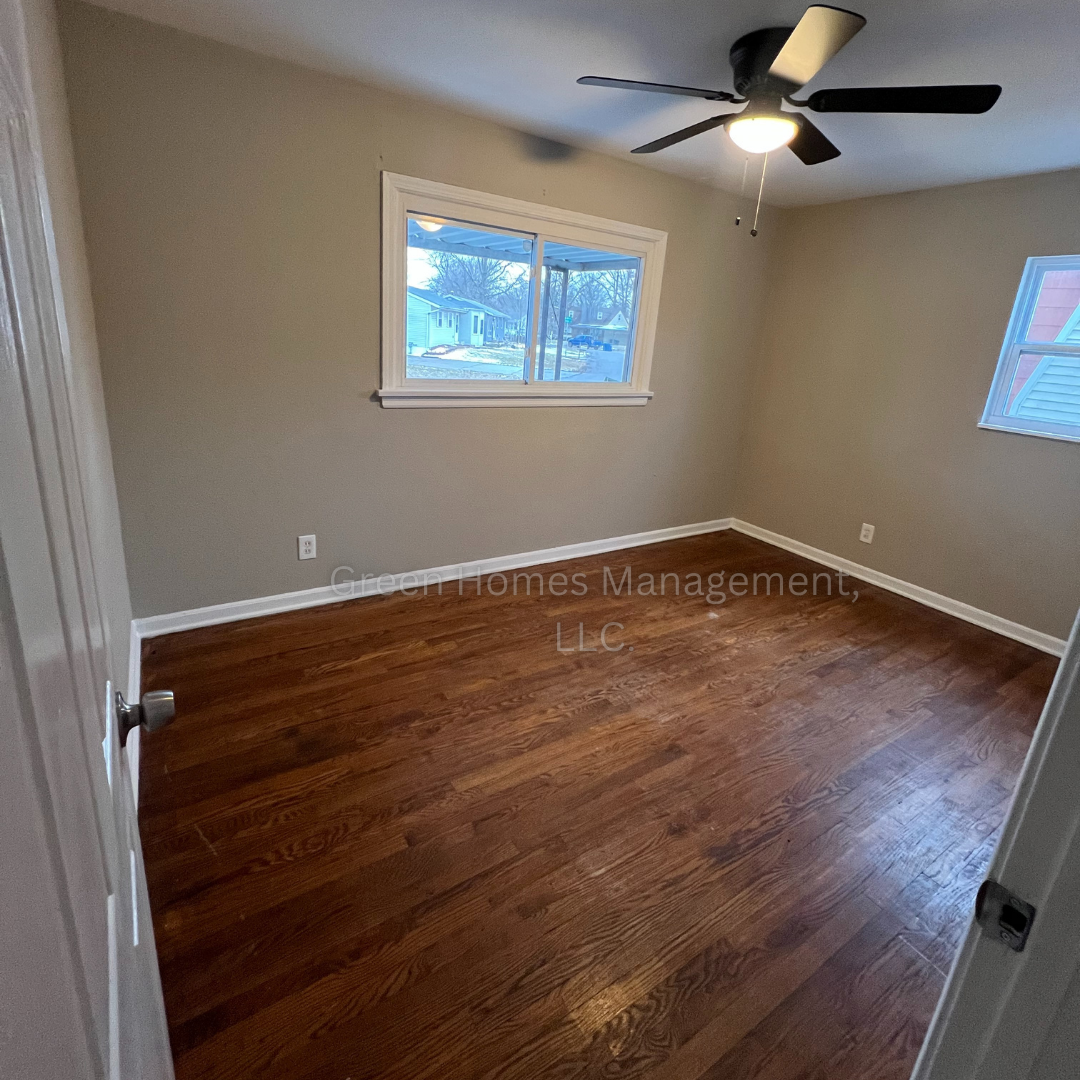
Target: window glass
{"points": [[1057, 301], [1046, 386], [1036, 388], [588, 307], [467, 302]]}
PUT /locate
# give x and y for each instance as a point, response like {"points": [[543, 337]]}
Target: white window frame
{"points": [[403, 195], [1027, 296]]}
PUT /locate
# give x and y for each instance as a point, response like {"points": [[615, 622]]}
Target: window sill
{"points": [[409, 398], [988, 425]]}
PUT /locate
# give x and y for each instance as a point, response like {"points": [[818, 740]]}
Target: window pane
{"points": [[467, 302], [1046, 389], [587, 314], [1054, 317]]}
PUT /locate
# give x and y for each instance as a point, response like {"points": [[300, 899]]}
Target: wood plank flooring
{"points": [[405, 837]]}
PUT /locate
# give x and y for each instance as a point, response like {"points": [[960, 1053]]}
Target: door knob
{"points": [[154, 711]]}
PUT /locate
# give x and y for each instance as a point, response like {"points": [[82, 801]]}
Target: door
{"points": [[77, 817], [1015, 1015]]}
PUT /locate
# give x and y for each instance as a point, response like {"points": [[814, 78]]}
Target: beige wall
{"points": [[232, 211], [884, 321], [231, 205]]}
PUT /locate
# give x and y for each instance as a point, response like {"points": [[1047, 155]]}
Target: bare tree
{"points": [[588, 297], [597, 296], [470, 276], [515, 300], [594, 296], [619, 286]]}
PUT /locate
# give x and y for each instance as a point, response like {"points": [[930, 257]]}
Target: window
{"points": [[542, 306], [1036, 389]]}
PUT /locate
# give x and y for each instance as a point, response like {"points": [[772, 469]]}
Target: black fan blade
{"points": [[656, 88], [820, 34], [910, 99], [811, 146], [679, 136]]}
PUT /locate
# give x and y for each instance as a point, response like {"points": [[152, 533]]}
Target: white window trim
{"points": [[993, 418], [405, 194]]}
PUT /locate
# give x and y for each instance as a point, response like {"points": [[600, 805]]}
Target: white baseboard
{"points": [[1046, 642], [156, 625], [217, 614]]}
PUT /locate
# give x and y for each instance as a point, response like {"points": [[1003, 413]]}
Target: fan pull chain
{"points": [[761, 188], [742, 187]]}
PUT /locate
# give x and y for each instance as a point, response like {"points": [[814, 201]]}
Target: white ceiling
{"points": [[517, 61]]}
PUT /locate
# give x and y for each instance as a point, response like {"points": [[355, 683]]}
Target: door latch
{"points": [[1003, 915], [154, 711]]}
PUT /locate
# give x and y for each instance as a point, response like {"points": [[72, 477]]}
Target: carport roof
{"points": [[516, 247]]}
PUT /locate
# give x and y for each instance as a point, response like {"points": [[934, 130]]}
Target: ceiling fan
{"points": [[772, 64]]}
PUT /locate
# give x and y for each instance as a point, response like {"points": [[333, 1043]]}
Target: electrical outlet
{"points": [[866, 535], [305, 547]]}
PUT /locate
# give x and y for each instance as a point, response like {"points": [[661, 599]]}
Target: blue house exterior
{"points": [[432, 319]]}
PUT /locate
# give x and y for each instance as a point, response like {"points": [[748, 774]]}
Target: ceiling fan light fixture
{"points": [[771, 63], [429, 224], [760, 134]]}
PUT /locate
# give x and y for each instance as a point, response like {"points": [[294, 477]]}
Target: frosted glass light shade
{"points": [[760, 134]]}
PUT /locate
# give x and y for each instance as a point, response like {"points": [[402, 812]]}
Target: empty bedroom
{"points": [[540, 540]]}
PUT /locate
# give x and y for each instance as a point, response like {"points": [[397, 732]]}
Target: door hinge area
{"points": [[1003, 915]]}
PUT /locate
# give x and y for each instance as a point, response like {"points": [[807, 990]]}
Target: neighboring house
{"points": [[1052, 391], [615, 332], [430, 320], [433, 319], [1070, 332], [484, 321]]}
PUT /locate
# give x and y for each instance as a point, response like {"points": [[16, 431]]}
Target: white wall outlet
{"points": [[305, 547], [866, 535]]}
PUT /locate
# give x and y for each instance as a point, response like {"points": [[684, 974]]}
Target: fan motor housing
{"points": [[752, 56]]}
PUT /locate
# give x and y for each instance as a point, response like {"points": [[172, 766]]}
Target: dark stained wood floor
{"points": [[405, 837]]}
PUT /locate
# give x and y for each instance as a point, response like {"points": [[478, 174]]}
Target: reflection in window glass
{"points": [[467, 304]]}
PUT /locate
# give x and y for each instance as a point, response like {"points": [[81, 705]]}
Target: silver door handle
{"points": [[154, 711]]}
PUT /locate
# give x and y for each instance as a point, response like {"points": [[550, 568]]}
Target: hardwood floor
{"points": [[405, 837]]}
